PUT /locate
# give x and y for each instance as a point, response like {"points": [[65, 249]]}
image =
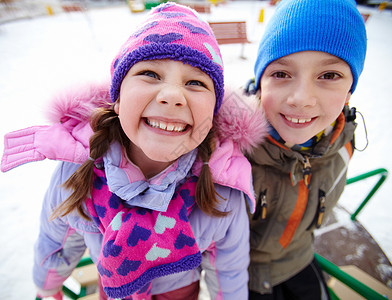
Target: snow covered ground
{"points": [[42, 55]]}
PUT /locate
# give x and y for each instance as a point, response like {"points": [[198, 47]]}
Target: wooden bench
{"points": [[72, 7], [230, 33], [199, 6]]}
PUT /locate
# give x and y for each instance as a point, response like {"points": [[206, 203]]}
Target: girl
{"points": [[146, 185]]}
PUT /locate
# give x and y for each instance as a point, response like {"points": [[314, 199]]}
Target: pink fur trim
{"points": [[242, 120], [78, 102]]}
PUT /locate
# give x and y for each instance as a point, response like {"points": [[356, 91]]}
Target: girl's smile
{"points": [[168, 126], [166, 109]]}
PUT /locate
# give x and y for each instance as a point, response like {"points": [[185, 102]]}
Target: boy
{"points": [[308, 64]]}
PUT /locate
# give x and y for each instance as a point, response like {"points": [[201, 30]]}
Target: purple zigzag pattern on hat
{"points": [[163, 6], [163, 38], [140, 244], [145, 28], [192, 28], [200, 51], [168, 14]]}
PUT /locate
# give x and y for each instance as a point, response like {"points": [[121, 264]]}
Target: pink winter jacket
{"points": [[239, 128]]}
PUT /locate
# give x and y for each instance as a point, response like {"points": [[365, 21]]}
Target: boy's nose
{"points": [[171, 95], [303, 94]]}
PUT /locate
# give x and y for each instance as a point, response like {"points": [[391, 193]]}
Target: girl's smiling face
{"points": [[166, 109], [304, 92]]}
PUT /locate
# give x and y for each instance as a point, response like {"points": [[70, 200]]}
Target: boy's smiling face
{"points": [[304, 92]]}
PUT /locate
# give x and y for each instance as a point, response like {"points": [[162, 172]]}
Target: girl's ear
{"points": [[116, 107], [348, 98]]}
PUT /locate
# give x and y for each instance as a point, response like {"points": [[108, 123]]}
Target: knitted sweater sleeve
{"points": [[226, 261], [59, 247]]}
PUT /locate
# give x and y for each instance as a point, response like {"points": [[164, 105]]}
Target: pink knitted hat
{"points": [[171, 31]]}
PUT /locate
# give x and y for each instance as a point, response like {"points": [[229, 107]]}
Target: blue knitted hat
{"points": [[332, 26], [171, 31]]}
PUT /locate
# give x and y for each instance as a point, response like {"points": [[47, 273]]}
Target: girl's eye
{"points": [[149, 74], [280, 74], [196, 82], [330, 76]]}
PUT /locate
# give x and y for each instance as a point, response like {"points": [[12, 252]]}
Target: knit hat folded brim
{"points": [[332, 26], [176, 32]]}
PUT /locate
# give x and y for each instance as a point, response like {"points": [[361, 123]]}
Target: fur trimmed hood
{"points": [[239, 119]]}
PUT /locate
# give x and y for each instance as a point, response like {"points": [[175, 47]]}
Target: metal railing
{"points": [[348, 280], [383, 176], [334, 270]]}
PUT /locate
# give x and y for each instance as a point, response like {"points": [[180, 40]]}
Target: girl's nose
{"points": [[171, 95], [303, 94]]}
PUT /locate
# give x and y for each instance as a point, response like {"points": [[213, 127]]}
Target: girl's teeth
{"points": [[170, 127], [166, 126]]}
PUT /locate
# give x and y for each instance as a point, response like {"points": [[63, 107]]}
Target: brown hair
{"points": [[107, 129]]}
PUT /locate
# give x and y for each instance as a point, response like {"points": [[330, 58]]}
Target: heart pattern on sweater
{"points": [[128, 266], [183, 240], [111, 249], [142, 244], [156, 252], [163, 222], [138, 233]]}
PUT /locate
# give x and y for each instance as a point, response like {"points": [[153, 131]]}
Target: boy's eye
{"points": [[280, 75], [330, 76], [196, 82]]}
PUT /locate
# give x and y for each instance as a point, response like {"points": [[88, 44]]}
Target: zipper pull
{"points": [[321, 209], [264, 206], [261, 207], [307, 171]]}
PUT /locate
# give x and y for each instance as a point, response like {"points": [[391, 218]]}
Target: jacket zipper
{"points": [[261, 207], [307, 171], [321, 208], [318, 218]]}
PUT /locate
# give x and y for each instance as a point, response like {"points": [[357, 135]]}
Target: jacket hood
{"points": [[78, 102]]}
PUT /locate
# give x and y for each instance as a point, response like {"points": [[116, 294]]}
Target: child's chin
{"points": [[298, 140], [164, 156]]}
